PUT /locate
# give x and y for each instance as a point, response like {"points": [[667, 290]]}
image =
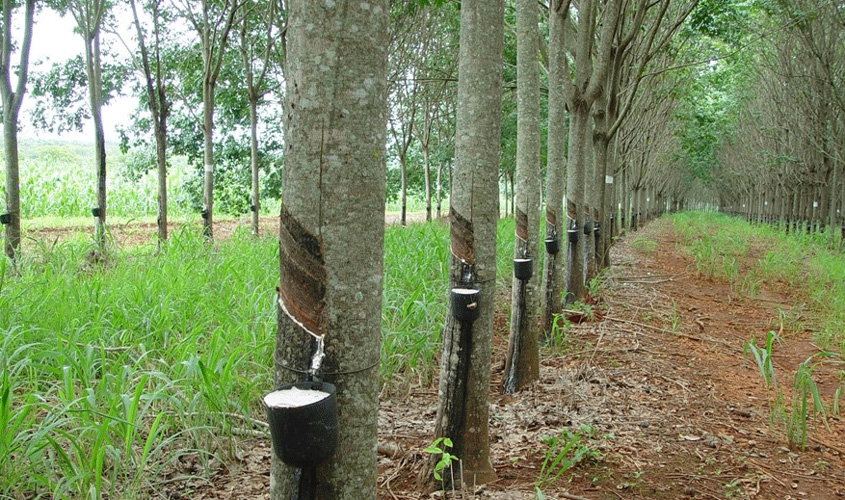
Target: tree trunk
{"points": [[403, 190], [161, 176], [555, 167], [575, 206], [523, 361], [13, 194], [208, 91], [438, 192], [159, 110], [253, 161], [427, 181], [332, 227], [12, 100], [463, 396], [93, 68]]}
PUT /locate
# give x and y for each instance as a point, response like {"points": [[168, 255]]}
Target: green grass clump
{"points": [[643, 244], [416, 271], [416, 263]]}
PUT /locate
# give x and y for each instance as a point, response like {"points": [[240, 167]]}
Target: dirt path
{"points": [[659, 376]]}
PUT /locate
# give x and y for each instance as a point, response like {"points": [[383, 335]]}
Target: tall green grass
{"points": [[108, 372], [719, 244], [113, 367]]}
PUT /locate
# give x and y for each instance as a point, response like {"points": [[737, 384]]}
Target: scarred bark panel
{"points": [[461, 236], [303, 283]]}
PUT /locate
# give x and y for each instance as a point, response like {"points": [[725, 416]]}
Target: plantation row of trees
{"points": [[784, 155], [633, 122], [593, 114], [218, 66]]}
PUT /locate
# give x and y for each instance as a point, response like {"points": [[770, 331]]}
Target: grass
{"points": [[750, 256], [57, 182], [109, 372], [113, 368]]}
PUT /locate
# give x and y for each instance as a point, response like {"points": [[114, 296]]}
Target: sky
{"points": [[53, 41]]}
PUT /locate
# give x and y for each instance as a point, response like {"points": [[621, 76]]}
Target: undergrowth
{"points": [[721, 247], [750, 256], [115, 367]]}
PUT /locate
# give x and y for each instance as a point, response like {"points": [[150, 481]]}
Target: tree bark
{"points": [[208, 91], [12, 100], [255, 206], [588, 76], [332, 226], [213, 24], [522, 365], [438, 191], [89, 16], [159, 109], [255, 90], [555, 168], [575, 202], [463, 396], [93, 69]]}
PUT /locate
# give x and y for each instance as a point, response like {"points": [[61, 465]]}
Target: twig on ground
{"points": [[572, 497], [766, 471], [828, 445]]}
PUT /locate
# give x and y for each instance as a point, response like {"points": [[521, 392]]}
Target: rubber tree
{"points": [[437, 74], [12, 97], [89, 16], [212, 20], [553, 264], [589, 40], [643, 32], [408, 41], [522, 365], [463, 394], [155, 83], [261, 25], [332, 226]]}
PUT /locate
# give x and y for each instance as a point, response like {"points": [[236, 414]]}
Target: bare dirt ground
{"points": [[658, 373]]}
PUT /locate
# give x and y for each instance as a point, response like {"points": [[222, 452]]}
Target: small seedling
{"points": [[565, 450], [763, 358], [440, 447]]}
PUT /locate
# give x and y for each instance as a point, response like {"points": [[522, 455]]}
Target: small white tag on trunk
{"points": [[209, 168], [608, 179], [815, 204]]}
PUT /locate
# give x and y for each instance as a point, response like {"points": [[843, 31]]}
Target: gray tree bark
{"points": [[88, 15], [213, 22], [463, 396], [255, 90], [12, 100], [588, 77], [555, 168], [523, 361], [159, 107], [332, 226]]}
